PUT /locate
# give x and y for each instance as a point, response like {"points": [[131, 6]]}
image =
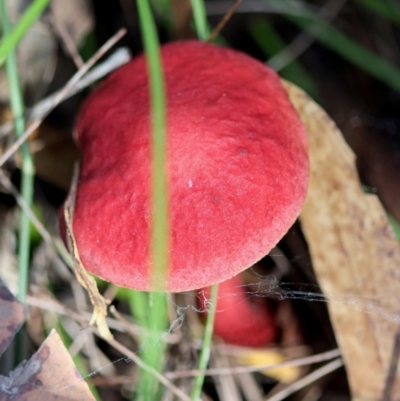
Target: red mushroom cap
{"points": [[241, 319], [237, 168]]}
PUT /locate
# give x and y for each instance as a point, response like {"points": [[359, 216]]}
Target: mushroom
{"points": [[237, 168], [242, 319]]}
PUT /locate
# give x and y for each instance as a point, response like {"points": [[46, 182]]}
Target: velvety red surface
{"points": [[237, 165], [241, 318]]}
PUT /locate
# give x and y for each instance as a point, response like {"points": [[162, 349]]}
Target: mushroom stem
{"points": [[242, 319]]}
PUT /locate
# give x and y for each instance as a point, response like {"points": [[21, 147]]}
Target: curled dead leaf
{"points": [[49, 375], [81, 274], [12, 316], [355, 255]]}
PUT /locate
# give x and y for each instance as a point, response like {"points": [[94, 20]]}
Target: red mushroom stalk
{"points": [[241, 319], [237, 168]]}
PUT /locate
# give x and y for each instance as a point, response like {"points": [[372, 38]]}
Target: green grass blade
{"points": [[351, 51], [160, 230], [206, 348], [154, 348], [385, 8], [271, 43], [13, 37], [150, 311], [200, 19], [341, 44], [164, 15], [203, 33], [161, 8], [148, 387], [139, 305], [27, 168]]}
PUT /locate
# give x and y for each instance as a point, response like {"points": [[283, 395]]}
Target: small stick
{"points": [[8, 185], [120, 57], [84, 279], [62, 94], [66, 38], [130, 329], [241, 369], [224, 20], [114, 343], [306, 380], [46, 302], [139, 362], [304, 40]]}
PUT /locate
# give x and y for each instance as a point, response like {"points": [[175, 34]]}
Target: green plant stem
{"points": [[153, 350], [206, 348], [351, 51], [139, 305], [12, 38], [200, 19], [203, 33], [159, 198], [27, 168], [150, 311], [153, 354], [337, 41]]}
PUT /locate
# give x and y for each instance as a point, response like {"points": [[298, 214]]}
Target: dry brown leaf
{"points": [[355, 256], [12, 316], [81, 274], [49, 375]]}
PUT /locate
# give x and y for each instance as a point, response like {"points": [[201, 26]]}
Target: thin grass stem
{"points": [[153, 353], [27, 168], [61, 95], [306, 380], [13, 37], [159, 201], [206, 348], [203, 33], [200, 19], [139, 304], [149, 310]]}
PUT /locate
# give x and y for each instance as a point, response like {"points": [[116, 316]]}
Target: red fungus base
{"points": [[237, 168], [241, 318]]}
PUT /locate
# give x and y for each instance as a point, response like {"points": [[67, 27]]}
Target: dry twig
{"points": [[62, 94], [60, 308], [224, 20], [83, 277], [240, 369], [306, 380], [67, 40], [304, 40]]}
